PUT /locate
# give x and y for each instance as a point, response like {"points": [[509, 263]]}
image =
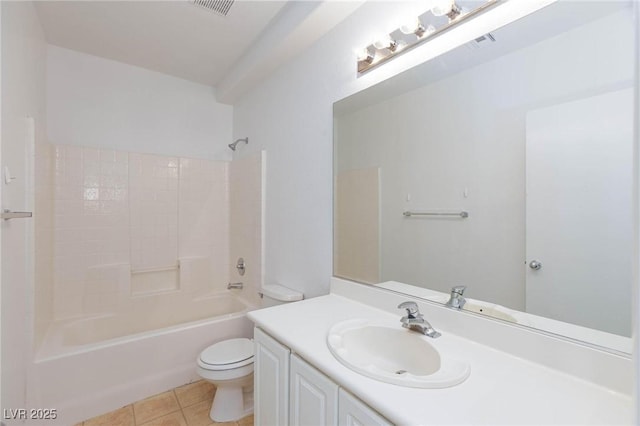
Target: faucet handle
{"points": [[459, 289], [411, 307]]}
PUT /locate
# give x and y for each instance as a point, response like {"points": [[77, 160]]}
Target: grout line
{"points": [[133, 412]]}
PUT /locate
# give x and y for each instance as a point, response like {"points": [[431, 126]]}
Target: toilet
{"points": [[229, 364]]}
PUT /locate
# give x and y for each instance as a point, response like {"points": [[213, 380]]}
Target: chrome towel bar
{"points": [[8, 214], [463, 214]]}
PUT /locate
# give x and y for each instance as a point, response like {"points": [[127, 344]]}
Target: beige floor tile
{"points": [[120, 417], [195, 392], [224, 424], [246, 421], [198, 414], [155, 406], [174, 419]]}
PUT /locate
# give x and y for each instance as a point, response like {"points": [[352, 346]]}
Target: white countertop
{"points": [[502, 389]]}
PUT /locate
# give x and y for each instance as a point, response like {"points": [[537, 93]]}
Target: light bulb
{"points": [[430, 29], [442, 7], [364, 55], [413, 27], [385, 42], [446, 7]]}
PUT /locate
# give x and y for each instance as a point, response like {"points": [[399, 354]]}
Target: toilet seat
{"points": [[226, 355]]}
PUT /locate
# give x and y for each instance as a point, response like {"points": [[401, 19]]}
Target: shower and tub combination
{"points": [[141, 263]]}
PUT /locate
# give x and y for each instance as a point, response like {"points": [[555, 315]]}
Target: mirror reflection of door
{"points": [[579, 164]]}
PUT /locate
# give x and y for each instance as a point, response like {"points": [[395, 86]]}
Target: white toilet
{"points": [[229, 365]]}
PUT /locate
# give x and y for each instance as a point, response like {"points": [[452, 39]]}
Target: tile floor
{"points": [[186, 405]]}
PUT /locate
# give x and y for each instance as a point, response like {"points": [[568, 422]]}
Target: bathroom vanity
{"points": [[517, 376], [292, 391]]}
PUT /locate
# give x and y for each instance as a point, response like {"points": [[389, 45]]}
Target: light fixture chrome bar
{"points": [[364, 66], [8, 214], [463, 214]]}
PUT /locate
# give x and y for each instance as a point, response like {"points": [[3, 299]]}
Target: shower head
{"points": [[233, 145]]}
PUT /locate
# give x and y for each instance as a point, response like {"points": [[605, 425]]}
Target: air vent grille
{"points": [[477, 43], [486, 37], [221, 7]]}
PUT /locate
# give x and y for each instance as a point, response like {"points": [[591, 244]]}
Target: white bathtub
{"points": [[93, 365]]}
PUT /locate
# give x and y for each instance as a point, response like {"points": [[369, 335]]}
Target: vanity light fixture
{"points": [[417, 31]]}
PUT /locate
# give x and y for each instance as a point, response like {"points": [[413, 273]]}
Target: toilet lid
{"points": [[232, 351]]}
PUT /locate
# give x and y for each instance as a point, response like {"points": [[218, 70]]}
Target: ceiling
{"points": [[172, 37]]}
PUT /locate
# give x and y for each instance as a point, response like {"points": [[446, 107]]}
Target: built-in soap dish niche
{"points": [[150, 281]]}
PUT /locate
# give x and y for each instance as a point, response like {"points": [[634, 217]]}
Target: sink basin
{"points": [[490, 309], [393, 354]]}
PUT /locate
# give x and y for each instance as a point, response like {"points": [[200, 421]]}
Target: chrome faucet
{"points": [[456, 300], [415, 321], [234, 285]]}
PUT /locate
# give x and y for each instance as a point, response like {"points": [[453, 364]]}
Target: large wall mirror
{"points": [[531, 133]]}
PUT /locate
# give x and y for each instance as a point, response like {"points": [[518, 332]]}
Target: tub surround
{"points": [[517, 376], [126, 223], [141, 249]]}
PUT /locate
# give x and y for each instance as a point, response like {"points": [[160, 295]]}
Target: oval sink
{"points": [[394, 355], [490, 309]]}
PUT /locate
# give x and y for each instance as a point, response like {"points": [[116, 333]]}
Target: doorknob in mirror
{"points": [[535, 265]]}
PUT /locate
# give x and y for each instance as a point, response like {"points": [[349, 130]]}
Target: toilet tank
{"points": [[276, 294]]}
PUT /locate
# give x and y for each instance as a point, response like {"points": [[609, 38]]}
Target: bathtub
{"points": [[94, 365]]}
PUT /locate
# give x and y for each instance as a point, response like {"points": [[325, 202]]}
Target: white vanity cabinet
{"points": [[289, 391], [313, 397], [271, 381]]}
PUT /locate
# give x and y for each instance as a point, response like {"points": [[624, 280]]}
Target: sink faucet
{"points": [[456, 300], [415, 321]]}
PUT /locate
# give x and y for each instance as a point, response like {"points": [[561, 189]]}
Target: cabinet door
{"points": [[353, 412], [271, 381], [314, 397]]}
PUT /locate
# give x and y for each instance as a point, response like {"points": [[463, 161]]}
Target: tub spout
{"points": [[234, 285]]}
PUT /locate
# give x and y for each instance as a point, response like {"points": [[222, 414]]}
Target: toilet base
{"points": [[231, 404]]}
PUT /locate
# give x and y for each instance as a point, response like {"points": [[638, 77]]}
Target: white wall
{"points": [[23, 94], [290, 116], [106, 104]]}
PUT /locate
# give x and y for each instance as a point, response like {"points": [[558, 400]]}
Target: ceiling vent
{"points": [[221, 7], [480, 41]]}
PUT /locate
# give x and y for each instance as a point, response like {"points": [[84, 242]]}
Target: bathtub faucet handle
{"points": [[234, 285]]}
